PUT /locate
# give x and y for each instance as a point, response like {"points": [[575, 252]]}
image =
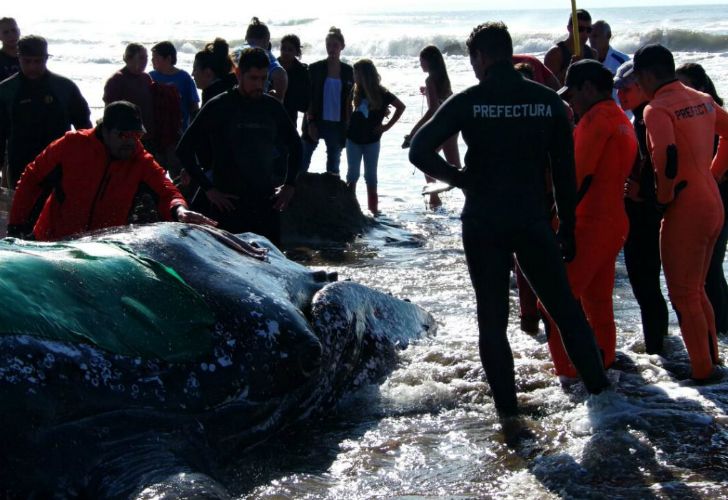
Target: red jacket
{"points": [[85, 189]]}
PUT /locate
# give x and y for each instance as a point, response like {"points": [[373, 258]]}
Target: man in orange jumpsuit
{"points": [[605, 149], [681, 125]]}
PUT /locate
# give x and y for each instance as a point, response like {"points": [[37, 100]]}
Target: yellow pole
{"points": [[575, 29]]}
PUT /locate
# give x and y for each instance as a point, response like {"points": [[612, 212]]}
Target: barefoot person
{"points": [[436, 90]]}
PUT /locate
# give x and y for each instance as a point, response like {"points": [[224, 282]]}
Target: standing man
{"points": [[605, 149], [87, 180], [681, 127], [36, 107], [559, 57], [239, 133], [599, 39], [9, 36], [642, 248], [505, 199]]}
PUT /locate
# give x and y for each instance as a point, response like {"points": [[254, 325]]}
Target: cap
{"points": [[586, 70], [123, 116], [651, 55], [32, 46], [625, 75]]}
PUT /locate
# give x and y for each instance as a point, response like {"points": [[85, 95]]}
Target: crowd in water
{"points": [[569, 160]]}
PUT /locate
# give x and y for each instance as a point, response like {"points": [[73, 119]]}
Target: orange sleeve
{"points": [[591, 139], [169, 196], [720, 161], [660, 136], [30, 186]]}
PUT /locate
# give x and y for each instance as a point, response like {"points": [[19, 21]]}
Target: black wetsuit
{"points": [[241, 136], [9, 65], [642, 247], [298, 94], [512, 128], [218, 87], [33, 113]]}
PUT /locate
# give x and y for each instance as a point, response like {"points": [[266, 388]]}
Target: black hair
{"points": [[581, 15], [253, 57], [657, 59], [293, 40], [257, 30], [700, 80], [216, 56], [335, 33], [437, 70], [166, 49], [491, 39]]}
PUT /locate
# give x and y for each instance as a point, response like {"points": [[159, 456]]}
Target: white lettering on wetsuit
{"points": [[511, 110]]}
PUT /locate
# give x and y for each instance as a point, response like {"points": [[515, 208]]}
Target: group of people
{"points": [[556, 174]]}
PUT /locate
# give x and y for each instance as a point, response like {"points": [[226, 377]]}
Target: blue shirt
{"points": [[187, 91]]}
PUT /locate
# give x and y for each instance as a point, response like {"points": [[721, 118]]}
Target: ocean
{"points": [[430, 430]]}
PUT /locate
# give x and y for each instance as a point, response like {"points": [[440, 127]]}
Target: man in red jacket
{"points": [[87, 180]]}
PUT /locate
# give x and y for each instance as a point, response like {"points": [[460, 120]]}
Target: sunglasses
{"points": [[130, 134], [587, 29]]}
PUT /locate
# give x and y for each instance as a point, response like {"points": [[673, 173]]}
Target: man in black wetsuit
{"points": [[238, 133], [36, 107], [513, 128]]}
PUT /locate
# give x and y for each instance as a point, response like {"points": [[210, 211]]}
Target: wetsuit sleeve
{"points": [[720, 162], [169, 196], [193, 141], [80, 114], [588, 150], [292, 142], [446, 122], [563, 172], [30, 186], [661, 139], [4, 130]]}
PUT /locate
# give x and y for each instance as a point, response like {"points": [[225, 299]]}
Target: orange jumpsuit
{"points": [[605, 149], [681, 125]]}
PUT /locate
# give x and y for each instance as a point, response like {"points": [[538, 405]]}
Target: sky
{"points": [[312, 8]]}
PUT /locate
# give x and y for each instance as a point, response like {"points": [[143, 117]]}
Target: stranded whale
{"points": [[136, 355]]}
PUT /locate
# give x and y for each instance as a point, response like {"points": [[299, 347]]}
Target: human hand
{"points": [[190, 217], [221, 201], [283, 196]]}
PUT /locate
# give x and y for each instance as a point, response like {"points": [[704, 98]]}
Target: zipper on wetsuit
{"points": [[99, 193]]}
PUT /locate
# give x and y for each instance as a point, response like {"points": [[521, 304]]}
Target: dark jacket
{"points": [[241, 138], [298, 94], [318, 72], [34, 113], [85, 189], [513, 128]]}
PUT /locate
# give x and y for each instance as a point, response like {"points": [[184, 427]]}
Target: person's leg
{"points": [[528, 303], [371, 160], [686, 244], [489, 262], [354, 154], [715, 283], [539, 257], [308, 149], [642, 259], [334, 135]]}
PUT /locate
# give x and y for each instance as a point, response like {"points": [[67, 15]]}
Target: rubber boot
{"points": [[373, 200]]}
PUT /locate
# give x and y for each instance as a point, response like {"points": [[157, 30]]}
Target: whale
{"points": [[140, 358]]}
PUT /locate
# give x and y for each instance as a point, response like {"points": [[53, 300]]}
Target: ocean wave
{"points": [[294, 22], [679, 40]]}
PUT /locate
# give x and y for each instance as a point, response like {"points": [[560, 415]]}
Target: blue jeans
{"points": [[354, 154], [334, 135]]}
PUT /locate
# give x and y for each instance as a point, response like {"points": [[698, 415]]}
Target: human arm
{"points": [[720, 161], [32, 185], [79, 112], [553, 60], [433, 103], [663, 151], [563, 179], [399, 108], [279, 80], [423, 151], [291, 141]]}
